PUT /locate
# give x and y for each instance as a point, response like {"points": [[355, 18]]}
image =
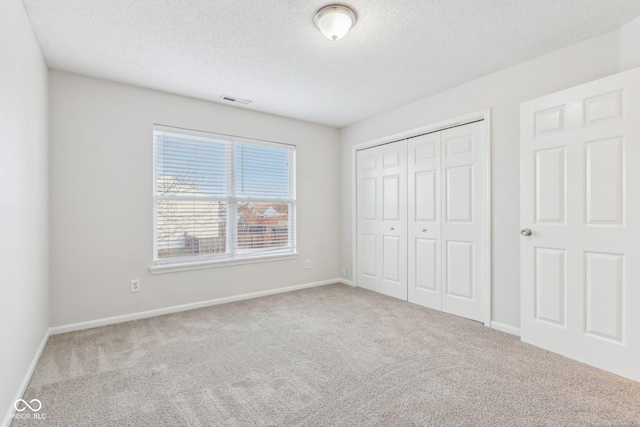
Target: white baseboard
{"points": [[177, 308], [505, 328], [346, 282], [25, 382]]}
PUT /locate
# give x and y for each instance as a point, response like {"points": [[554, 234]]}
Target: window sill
{"points": [[186, 266]]}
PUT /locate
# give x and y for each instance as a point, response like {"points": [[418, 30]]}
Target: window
{"points": [[221, 197]]}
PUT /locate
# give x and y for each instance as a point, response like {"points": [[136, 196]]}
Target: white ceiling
{"points": [[271, 53]]}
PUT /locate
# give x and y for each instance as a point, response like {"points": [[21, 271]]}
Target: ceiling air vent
{"points": [[236, 100]]}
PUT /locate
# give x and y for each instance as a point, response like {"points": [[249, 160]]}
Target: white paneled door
{"points": [[580, 218], [382, 225], [464, 221], [422, 222], [425, 257]]}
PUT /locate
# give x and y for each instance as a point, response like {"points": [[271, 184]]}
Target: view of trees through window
{"points": [[207, 204]]}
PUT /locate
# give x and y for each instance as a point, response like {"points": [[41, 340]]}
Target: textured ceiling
{"points": [[270, 52]]}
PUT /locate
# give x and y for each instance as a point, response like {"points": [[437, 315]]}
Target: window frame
{"points": [[233, 255]]}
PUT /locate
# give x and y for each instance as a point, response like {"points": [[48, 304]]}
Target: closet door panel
{"points": [[369, 214], [391, 198], [424, 220], [459, 194], [426, 277], [464, 222], [459, 269], [381, 225], [393, 226], [425, 195]]}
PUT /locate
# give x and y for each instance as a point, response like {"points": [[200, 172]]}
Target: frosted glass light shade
{"points": [[335, 21]]}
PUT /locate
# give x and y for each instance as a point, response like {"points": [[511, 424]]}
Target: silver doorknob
{"points": [[526, 232], [424, 230]]}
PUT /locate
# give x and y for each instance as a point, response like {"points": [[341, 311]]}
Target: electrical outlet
{"points": [[344, 273], [307, 264], [135, 285]]}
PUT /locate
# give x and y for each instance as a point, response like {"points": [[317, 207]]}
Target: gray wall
{"points": [[101, 190], [630, 45], [24, 203]]}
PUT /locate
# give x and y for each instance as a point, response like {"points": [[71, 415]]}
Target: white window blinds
{"points": [[219, 197]]}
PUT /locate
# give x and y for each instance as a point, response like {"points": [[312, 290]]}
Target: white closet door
{"points": [[369, 211], [424, 221], [382, 213], [580, 214], [464, 220]]}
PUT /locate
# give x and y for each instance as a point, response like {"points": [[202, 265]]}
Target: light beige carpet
{"points": [[332, 355]]}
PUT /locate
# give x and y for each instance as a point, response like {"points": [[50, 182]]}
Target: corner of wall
{"points": [[629, 52]]}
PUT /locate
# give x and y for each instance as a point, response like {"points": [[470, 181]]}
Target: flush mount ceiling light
{"points": [[335, 21]]}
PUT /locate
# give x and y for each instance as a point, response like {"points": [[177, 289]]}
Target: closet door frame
{"points": [[485, 116]]}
